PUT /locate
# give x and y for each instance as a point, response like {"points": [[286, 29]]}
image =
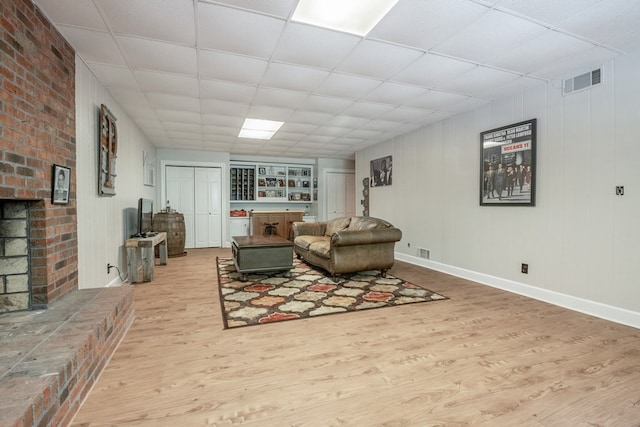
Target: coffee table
{"points": [[261, 253]]}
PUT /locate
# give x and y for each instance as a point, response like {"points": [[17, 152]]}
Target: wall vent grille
{"points": [[424, 253], [582, 81]]}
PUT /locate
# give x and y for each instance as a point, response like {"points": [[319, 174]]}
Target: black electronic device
{"points": [[145, 217]]}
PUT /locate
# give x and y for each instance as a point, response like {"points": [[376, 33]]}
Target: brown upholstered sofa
{"points": [[347, 245]]}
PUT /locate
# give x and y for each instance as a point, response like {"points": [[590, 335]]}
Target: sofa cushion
{"points": [[321, 248], [367, 223], [306, 240], [336, 224]]}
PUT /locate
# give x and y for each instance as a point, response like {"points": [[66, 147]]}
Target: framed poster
{"points": [[380, 170], [508, 165], [60, 185]]}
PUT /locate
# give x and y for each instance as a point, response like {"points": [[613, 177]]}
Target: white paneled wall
{"points": [[101, 229], [581, 241]]}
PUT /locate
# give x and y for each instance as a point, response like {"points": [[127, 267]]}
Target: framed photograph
{"points": [[508, 165], [60, 185], [262, 171], [381, 171]]}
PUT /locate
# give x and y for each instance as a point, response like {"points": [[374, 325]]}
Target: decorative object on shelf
{"points": [[507, 165], [381, 171], [108, 150], [60, 184]]}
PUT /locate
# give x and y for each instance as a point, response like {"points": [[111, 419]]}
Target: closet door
{"points": [[340, 193], [180, 193], [208, 207], [196, 192]]}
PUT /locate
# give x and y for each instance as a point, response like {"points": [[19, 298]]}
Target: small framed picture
{"points": [[60, 184], [262, 171]]}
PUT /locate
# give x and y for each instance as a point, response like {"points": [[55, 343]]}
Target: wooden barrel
{"points": [[172, 224]]}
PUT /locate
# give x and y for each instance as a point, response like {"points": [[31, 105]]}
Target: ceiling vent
{"points": [[582, 82]]}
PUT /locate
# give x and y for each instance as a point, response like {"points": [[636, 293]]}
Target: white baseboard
{"points": [[593, 308]]}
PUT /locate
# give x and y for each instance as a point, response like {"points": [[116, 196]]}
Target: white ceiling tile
{"points": [[310, 117], [114, 76], [266, 112], [490, 34], [182, 127], [166, 20], [347, 86], [234, 68], [151, 81], [435, 100], [521, 84], [237, 31], [284, 76], [169, 101], [221, 131], [142, 113], [333, 131], [129, 98], [280, 8], [85, 42], [152, 55], [550, 11], [210, 119], [430, 70], [605, 21], [312, 46], [349, 122], [217, 106], [627, 42], [324, 104], [368, 110], [424, 24], [479, 80], [226, 91], [395, 93], [73, 13], [178, 116], [406, 115], [548, 48], [279, 98], [378, 60]]}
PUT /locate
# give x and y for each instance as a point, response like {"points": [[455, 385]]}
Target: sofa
{"points": [[346, 244]]}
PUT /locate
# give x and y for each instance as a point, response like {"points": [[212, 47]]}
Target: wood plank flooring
{"points": [[483, 357]]}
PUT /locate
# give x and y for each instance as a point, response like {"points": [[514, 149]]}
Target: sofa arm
{"points": [[308, 228], [365, 237]]}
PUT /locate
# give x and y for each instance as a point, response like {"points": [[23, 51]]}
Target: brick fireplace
{"points": [[37, 130]]}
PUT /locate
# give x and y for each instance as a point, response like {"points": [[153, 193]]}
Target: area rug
{"points": [[306, 291]]}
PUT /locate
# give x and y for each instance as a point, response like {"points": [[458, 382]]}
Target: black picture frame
{"points": [[60, 184], [508, 165], [380, 171]]}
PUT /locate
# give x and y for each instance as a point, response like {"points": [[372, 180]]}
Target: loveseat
{"points": [[347, 244]]}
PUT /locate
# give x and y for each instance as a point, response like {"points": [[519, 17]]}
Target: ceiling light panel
{"points": [[259, 128], [350, 16]]}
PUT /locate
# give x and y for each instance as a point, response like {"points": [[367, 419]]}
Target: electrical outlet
{"points": [[524, 269], [109, 268]]}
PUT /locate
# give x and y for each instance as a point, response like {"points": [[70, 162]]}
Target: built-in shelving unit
{"points": [[270, 182]]}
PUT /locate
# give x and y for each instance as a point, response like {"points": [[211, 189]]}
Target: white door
{"points": [[196, 192], [340, 191], [181, 196], [208, 207]]}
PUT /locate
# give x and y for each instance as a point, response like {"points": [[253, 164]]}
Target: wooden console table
{"points": [[135, 245]]}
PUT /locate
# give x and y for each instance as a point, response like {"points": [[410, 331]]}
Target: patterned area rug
{"points": [[305, 291]]}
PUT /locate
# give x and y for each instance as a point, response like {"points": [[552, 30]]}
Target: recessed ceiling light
{"points": [[350, 16], [259, 129]]}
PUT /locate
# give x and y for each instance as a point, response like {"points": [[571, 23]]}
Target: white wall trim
{"points": [[592, 308]]}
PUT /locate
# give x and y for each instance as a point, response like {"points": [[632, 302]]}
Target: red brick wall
{"points": [[37, 130]]}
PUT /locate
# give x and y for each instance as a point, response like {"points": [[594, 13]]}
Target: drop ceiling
{"points": [[188, 72]]}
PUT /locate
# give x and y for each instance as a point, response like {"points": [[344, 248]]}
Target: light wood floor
{"points": [[483, 357]]}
